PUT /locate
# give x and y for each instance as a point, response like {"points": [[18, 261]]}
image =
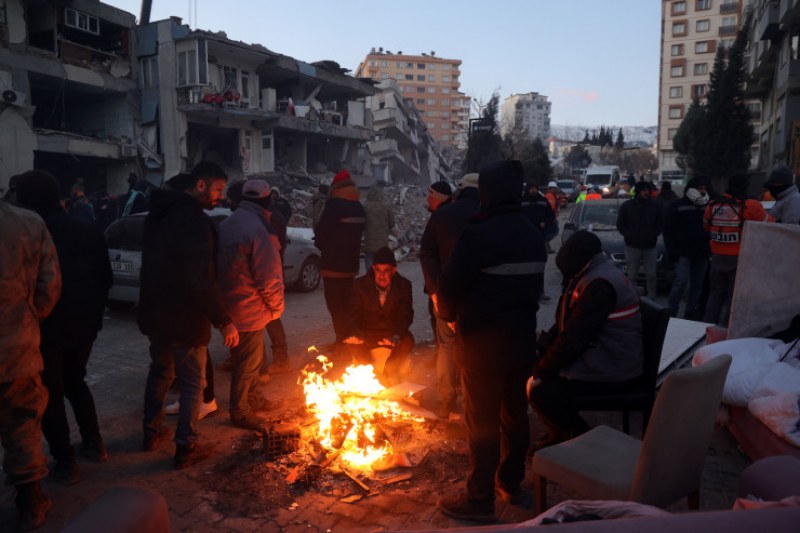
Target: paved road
{"points": [[117, 373]]}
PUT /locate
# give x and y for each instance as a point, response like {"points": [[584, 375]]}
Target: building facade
{"points": [[68, 74], [432, 83], [526, 114], [691, 32], [774, 79]]}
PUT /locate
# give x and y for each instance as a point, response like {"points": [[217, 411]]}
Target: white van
{"points": [[603, 177]]}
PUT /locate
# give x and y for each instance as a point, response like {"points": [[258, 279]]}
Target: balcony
{"points": [[725, 31], [768, 20], [729, 7]]}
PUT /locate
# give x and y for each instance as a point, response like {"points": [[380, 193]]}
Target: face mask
{"points": [[696, 197]]}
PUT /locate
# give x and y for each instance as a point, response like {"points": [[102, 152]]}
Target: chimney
{"points": [[380, 49]]}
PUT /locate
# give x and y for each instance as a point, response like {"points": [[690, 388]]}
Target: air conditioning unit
{"points": [[13, 97], [128, 150]]}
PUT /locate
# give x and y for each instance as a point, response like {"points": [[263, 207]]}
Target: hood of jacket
{"points": [[576, 252], [345, 189], [499, 187]]}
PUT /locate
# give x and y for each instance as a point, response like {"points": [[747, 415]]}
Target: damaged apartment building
{"points": [[68, 84], [405, 151], [249, 109]]}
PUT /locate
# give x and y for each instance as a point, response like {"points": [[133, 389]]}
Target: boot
{"points": [[94, 449], [66, 472], [187, 455], [32, 505]]}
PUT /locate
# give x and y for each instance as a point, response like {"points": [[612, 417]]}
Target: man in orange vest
{"points": [[594, 194], [724, 220]]}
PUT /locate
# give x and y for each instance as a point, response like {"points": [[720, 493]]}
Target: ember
{"points": [[350, 411]]}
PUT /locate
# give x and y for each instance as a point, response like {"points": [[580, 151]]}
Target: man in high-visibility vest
{"points": [[724, 220], [594, 194], [581, 196]]}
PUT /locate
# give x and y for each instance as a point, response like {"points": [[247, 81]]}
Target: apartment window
{"points": [[445, 90], [676, 92], [676, 71], [248, 139], [445, 79], [702, 25], [727, 22], [702, 47], [445, 114], [446, 66], [420, 66], [431, 90], [430, 125], [245, 86], [420, 101], [676, 50], [445, 126], [187, 68], [725, 43], [700, 69], [398, 76], [455, 79], [420, 89], [676, 111], [373, 63], [679, 8], [795, 47], [82, 21], [399, 64], [430, 113], [432, 78], [409, 77], [384, 75], [699, 91], [149, 69], [445, 138], [409, 65], [384, 63], [671, 133], [702, 5], [228, 77], [445, 101], [421, 77], [430, 101], [679, 28]]}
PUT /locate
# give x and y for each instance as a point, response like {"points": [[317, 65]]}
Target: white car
{"points": [[301, 261]]}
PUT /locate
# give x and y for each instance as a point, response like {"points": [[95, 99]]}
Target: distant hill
{"points": [[634, 135]]}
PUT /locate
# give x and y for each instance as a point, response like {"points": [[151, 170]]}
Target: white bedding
{"points": [[759, 380]]}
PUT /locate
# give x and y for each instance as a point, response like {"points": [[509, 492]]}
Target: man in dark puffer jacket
{"points": [[640, 221]]}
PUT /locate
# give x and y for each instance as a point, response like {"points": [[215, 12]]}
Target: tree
{"points": [[535, 161], [485, 146], [586, 139], [714, 138], [620, 142], [577, 157]]}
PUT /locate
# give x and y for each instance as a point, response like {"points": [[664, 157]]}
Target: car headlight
{"points": [[606, 190]]}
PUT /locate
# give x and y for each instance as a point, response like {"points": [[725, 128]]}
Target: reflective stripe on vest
{"points": [[515, 269], [624, 312], [352, 220]]}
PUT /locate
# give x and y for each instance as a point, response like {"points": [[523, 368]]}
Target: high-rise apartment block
{"points": [[691, 31], [432, 84], [526, 114]]}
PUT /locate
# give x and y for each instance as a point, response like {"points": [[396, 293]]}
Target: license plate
{"points": [[122, 266]]}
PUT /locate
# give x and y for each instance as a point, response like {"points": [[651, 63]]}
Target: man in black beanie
{"points": [[490, 288], [379, 313], [595, 346]]}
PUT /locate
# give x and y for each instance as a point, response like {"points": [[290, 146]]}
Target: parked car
{"points": [[600, 217], [569, 187], [301, 261]]}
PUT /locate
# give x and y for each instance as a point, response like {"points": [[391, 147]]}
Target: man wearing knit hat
{"points": [[490, 288], [441, 233], [251, 282], [439, 193], [595, 346], [380, 312], [338, 237], [787, 198]]}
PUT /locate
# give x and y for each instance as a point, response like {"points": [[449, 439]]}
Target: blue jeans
{"points": [[635, 257], [169, 359], [447, 378], [691, 271]]}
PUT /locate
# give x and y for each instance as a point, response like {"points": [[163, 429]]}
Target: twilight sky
{"points": [[597, 61]]}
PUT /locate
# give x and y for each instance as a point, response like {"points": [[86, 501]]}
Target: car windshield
{"points": [[126, 234], [600, 216], [564, 184], [598, 179]]}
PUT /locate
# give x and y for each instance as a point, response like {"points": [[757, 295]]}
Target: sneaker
{"points": [[32, 505], [249, 421], [151, 442], [461, 508], [94, 450], [190, 454], [206, 408], [66, 472]]}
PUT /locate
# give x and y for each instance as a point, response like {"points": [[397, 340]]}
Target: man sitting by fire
{"points": [[380, 311]]}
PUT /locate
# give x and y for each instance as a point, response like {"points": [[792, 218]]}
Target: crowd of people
{"points": [[482, 254]]}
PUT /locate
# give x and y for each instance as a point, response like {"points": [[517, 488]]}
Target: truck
{"points": [[603, 177]]}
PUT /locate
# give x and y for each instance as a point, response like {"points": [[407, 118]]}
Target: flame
{"points": [[349, 413]]}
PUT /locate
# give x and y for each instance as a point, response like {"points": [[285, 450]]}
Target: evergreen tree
{"points": [[714, 139], [535, 160], [577, 157], [620, 142], [485, 146], [586, 139], [601, 137]]}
